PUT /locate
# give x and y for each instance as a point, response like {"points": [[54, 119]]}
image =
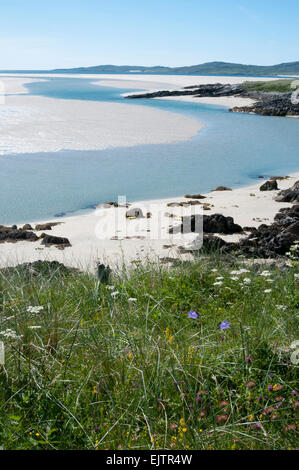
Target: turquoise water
{"points": [[232, 150]]}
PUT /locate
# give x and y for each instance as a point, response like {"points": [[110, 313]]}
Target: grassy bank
{"points": [[282, 86], [195, 357]]}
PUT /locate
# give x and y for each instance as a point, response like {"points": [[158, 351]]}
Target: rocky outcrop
{"points": [[289, 195], [270, 104], [200, 91]]}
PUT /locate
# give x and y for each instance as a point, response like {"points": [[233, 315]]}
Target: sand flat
{"points": [[31, 124]]}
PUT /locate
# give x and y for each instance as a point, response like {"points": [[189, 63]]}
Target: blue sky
{"points": [[41, 34]]}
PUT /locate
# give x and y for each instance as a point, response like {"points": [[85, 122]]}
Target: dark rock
{"points": [[48, 226], [27, 227], [289, 195], [222, 188], [269, 186], [195, 196], [13, 235], [216, 223], [50, 240], [210, 90], [270, 104]]}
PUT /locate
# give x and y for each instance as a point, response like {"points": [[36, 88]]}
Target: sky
{"points": [[48, 34]]}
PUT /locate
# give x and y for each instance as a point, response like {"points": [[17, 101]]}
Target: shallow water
{"points": [[232, 150]]}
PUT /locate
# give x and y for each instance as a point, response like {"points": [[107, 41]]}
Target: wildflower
{"points": [[291, 427], [249, 359], [35, 309], [219, 278], [173, 426], [294, 393], [221, 419], [250, 384], [132, 300], [34, 327], [247, 281], [281, 307], [270, 388], [214, 270], [9, 334], [220, 283], [182, 422], [251, 417], [296, 276], [234, 278], [115, 294], [267, 291], [224, 325], [277, 387], [265, 274], [110, 287], [193, 315]]}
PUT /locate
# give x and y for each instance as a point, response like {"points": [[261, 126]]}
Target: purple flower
{"points": [[270, 388], [224, 325], [249, 359], [193, 315], [294, 393]]}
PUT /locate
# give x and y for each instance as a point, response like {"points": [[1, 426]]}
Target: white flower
{"points": [[214, 271], [114, 294], [269, 280], [219, 278], [234, 278], [243, 271], [9, 334], [296, 276], [218, 283], [268, 291], [34, 309], [110, 287], [131, 299], [235, 273], [265, 274], [34, 327], [281, 307], [247, 280]]}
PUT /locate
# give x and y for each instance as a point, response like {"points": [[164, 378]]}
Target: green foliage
{"points": [[123, 367], [282, 86]]}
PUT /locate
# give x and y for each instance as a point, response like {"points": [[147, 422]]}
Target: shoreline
{"points": [[92, 235]]}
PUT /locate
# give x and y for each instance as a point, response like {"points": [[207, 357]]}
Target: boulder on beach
{"points": [[13, 235], [270, 185], [59, 242], [195, 196], [222, 188]]}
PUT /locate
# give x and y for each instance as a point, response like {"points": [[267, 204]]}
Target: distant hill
{"points": [[214, 68]]}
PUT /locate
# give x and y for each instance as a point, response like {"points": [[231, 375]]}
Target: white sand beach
{"points": [[92, 235]]}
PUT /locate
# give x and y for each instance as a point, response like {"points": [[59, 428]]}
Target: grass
{"points": [[283, 86], [104, 371]]}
